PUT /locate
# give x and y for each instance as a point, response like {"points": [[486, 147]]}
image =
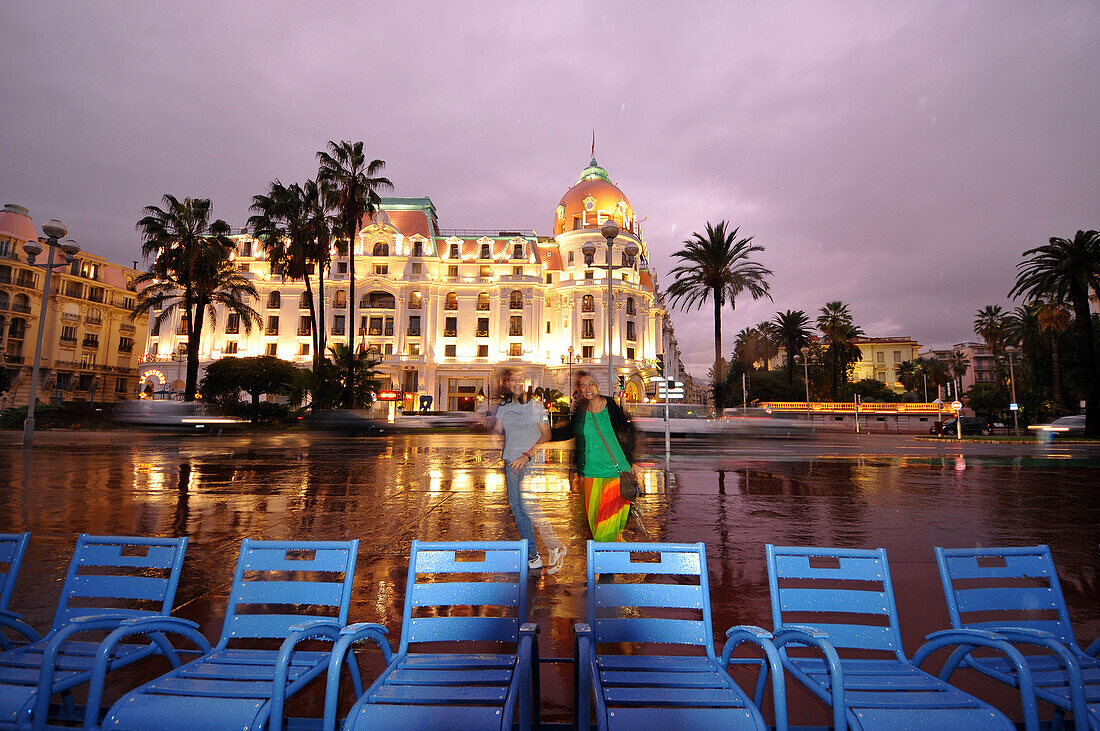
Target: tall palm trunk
{"points": [[321, 324], [1056, 374], [718, 375], [312, 322], [1086, 354], [194, 332]]}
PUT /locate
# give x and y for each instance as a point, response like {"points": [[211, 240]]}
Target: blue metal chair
{"points": [[460, 597], [676, 690], [283, 591], [12, 548], [110, 581], [1015, 593], [841, 600]]}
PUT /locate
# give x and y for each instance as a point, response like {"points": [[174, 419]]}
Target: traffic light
{"points": [[622, 383], [660, 364]]}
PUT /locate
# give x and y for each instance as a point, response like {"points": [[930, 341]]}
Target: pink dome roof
{"points": [[16, 223]]}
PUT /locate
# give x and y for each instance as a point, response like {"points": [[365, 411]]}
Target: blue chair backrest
{"points": [[1004, 587], [845, 592], [12, 548], [489, 577], [120, 575], [616, 610], [278, 584]]}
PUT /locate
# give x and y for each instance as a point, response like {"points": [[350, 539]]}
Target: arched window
{"points": [[483, 301], [451, 303], [485, 251], [515, 300], [340, 301], [517, 251], [21, 303], [273, 300], [3, 300], [381, 249], [303, 301], [17, 329], [588, 303], [94, 316], [377, 300], [630, 309], [415, 300]]}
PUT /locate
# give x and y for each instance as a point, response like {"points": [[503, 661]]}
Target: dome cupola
{"points": [[591, 202]]}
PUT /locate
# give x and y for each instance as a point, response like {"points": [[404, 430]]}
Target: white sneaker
{"points": [[557, 559], [534, 563]]}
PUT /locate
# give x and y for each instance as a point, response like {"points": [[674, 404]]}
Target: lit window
{"points": [[272, 349], [515, 350], [230, 347], [450, 350]]}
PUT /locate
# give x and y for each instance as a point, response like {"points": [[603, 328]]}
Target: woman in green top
{"points": [[598, 465]]}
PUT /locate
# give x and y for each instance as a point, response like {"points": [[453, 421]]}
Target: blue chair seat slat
{"points": [[450, 676], [683, 717], [833, 600], [442, 561], [264, 625], [649, 595], [439, 694], [465, 593], [657, 696], [454, 629], [1019, 598], [946, 698], [1052, 626], [851, 665], [966, 566], [656, 679], [270, 556], [851, 568], [858, 636], [160, 555], [923, 719], [290, 592], [119, 587], [426, 716], [673, 562], [672, 664], [210, 687], [432, 661], [18, 675], [674, 631]]}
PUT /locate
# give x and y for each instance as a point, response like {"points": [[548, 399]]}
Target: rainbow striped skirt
{"points": [[606, 509]]}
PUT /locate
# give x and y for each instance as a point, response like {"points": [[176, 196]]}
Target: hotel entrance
{"points": [[465, 394]]}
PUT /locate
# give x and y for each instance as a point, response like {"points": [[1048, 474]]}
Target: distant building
{"points": [[982, 363], [878, 358], [90, 346], [444, 310]]}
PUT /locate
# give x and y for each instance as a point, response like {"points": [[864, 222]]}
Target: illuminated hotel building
{"points": [[444, 310]]}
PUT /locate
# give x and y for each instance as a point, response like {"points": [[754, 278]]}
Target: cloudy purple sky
{"points": [[898, 156]]}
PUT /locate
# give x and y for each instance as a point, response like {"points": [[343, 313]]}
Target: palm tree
{"points": [[355, 184], [958, 365], [747, 348], [1063, 272], [769, 341], [717, 266], [363, 373], [793, 330], [1056, 318], [909, 373], [991, 325], [192, 270], [291, 225], [837, 328]]}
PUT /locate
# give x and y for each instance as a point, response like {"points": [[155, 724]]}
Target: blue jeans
{"points": [[519, 509]]}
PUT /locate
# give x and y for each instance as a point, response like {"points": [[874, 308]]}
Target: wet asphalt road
{"points": [[833, 490]]}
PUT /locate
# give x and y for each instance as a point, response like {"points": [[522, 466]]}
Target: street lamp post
{"points": [[54, 230], [610, 231], [806, 358], [1011, 352], [569, 385]]}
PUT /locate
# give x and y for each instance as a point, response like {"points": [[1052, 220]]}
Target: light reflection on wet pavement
{"points": [[837, 490]]}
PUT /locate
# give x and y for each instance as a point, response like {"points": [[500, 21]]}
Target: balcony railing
{"points": [[304, 331], [451, 306], [414, 305], [5, 277], [413, 333], [271, 331], [25, 282], [9, 358], [93, 320], [126, 328], [232, 329], [25, 309], [126, 348], [515, 333], [95, 296], [71, 342], [482, 333], [337, 331], [483, 306], [90, 343], [450, 333], [70, 317]]}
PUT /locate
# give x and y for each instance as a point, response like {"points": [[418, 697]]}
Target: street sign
{"points": [[1013, 407], [956, 405], [658, 379]]}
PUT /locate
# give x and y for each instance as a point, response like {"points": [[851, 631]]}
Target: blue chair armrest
{"points": [[154, 627], [798, 634], [584, 661], [316, 629], [14, 621], [774, 664], [527, 659], [1094, 648], [348, 637]]}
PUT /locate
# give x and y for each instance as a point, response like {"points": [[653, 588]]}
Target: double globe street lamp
{"points": [[54, 230], [610, 231]]}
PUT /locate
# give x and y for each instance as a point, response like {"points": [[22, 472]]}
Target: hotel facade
{"points": [[444, 310]]}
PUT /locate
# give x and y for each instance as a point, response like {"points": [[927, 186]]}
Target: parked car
{"points": [[1066, 426], [970, 425], [347, 421]]}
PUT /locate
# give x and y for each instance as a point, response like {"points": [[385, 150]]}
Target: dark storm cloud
{"points": [[898, 157]]}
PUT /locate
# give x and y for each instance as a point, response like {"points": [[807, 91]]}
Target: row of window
{"points": [[385, 301], [383, 249]]}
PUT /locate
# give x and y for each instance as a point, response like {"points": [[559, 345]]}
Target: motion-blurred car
{"points": [[1066, 426], [174, 416], [346, 421], [970, 425]]}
